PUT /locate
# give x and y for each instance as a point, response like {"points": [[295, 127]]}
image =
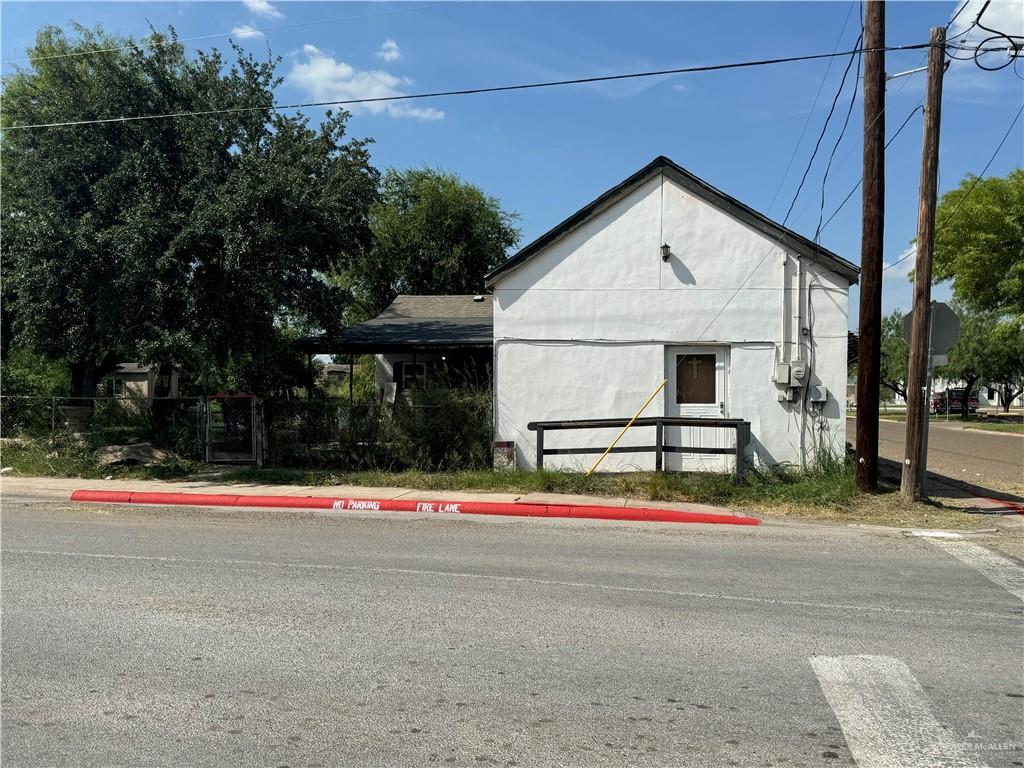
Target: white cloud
{"points": [[389, 50], [263, 8], [1002, 15], [245, 31], [324, 78], [681, 87], [905, 267]]}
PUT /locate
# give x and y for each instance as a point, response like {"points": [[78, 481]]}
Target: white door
{"points": [[697, 388]]}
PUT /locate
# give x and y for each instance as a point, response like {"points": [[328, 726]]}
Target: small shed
{"points": [[420, 338], [138, 381], [664, 277]]}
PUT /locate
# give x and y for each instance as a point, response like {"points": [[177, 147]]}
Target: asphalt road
{"points": [[150, 636], [991, 459]]}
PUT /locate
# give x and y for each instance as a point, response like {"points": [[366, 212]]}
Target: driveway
{"points": [[988, 459], [189, 637]]}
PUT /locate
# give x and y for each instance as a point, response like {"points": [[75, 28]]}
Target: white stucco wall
{"points": [[581, 328]]}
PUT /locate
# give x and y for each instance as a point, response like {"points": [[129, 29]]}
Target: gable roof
{"points": [[456, 306], [699, 188], [415, 323]]}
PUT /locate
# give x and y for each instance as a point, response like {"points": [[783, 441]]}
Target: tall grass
{"points": [[829, 483]]}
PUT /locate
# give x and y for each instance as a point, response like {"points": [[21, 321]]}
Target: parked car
{"points": [[951, 401]]}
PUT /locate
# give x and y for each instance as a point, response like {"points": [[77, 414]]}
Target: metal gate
{"points": [[234, 430]]}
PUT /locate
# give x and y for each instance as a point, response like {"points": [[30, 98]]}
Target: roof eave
{"points": [[786, 237]]}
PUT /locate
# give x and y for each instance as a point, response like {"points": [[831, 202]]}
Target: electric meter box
{"points": [[798, 373]]}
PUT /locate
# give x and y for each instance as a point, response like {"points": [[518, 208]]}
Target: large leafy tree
{"points": [[1006, 360], [433, 233], [895, 354], [191, 239], [970, 361], [979, 244]]}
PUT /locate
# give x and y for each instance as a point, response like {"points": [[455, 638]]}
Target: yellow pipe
{"points": [[635, 417]]}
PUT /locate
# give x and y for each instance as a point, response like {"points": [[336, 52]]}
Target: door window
{"points": [[410, 375], [695, 379]]}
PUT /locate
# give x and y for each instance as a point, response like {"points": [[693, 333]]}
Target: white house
{"points": [[666, 277]]}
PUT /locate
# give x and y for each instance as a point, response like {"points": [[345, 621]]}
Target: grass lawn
{"points": [[830, 486], [826, 494], [998, 426], [1000, 423], [69, 458]]}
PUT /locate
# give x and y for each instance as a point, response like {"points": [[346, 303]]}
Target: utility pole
{"points": [[873, 228], [914, 462]]}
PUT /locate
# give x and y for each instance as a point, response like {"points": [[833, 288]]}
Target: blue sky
{"points": [[546, 153]]}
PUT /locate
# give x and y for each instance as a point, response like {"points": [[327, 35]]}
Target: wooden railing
{"points": [[739, 449]]}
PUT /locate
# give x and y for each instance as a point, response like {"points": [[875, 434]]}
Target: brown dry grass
{"points": [[942, 510]]}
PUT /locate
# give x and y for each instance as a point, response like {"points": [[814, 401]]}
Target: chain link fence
{"points": [[452, 430], [171, 423], [446, 429]]}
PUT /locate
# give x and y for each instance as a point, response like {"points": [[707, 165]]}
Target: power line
{"points": [[846, 156], [810, 112], [977, 181], [994, 34], [955, 15], [469, 91], [796, 195], [824, 128], [213, 35], [861, 180], [835, 147]]}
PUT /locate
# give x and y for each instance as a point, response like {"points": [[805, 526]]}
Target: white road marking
{"points": [[936, 534], [525, 580], [885, 715], [1003, 571]]}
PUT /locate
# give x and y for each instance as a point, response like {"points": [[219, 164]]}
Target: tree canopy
{"points": [[433, 233], [187, 239], [971, 359], [1006, 360], [979, 242], [895, 354]]}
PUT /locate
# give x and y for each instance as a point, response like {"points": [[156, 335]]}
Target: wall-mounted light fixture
{"points": [[666, 252]]}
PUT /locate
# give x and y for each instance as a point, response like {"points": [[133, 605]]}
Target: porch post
{"points": [[659, 440], [540, 447], [309, 376], [415, 376]]}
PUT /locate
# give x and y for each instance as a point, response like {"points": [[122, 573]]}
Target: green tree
{"points": [[970, 361], [193, 240], [895, 354], [979, 243], [433, 233], [23, 372], [1006, 360]]}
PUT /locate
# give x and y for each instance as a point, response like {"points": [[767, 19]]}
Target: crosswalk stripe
{"points": [[997, 568], [885, 716]]}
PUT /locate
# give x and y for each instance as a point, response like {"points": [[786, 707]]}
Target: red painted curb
{"points": [[643, 514], [1015, 506]]}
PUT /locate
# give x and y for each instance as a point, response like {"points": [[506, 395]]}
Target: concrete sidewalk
{"points": [[62, 486]]}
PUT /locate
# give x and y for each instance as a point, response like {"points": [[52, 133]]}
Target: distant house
{"points": [[137, 381], [336, 375], [665, 277], [419, 339]]}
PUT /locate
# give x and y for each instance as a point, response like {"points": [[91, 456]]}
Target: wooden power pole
{"points": [[917, 370], [870, 326]]}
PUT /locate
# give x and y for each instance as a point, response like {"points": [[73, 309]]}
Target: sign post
{"points": [[943, 334]]}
